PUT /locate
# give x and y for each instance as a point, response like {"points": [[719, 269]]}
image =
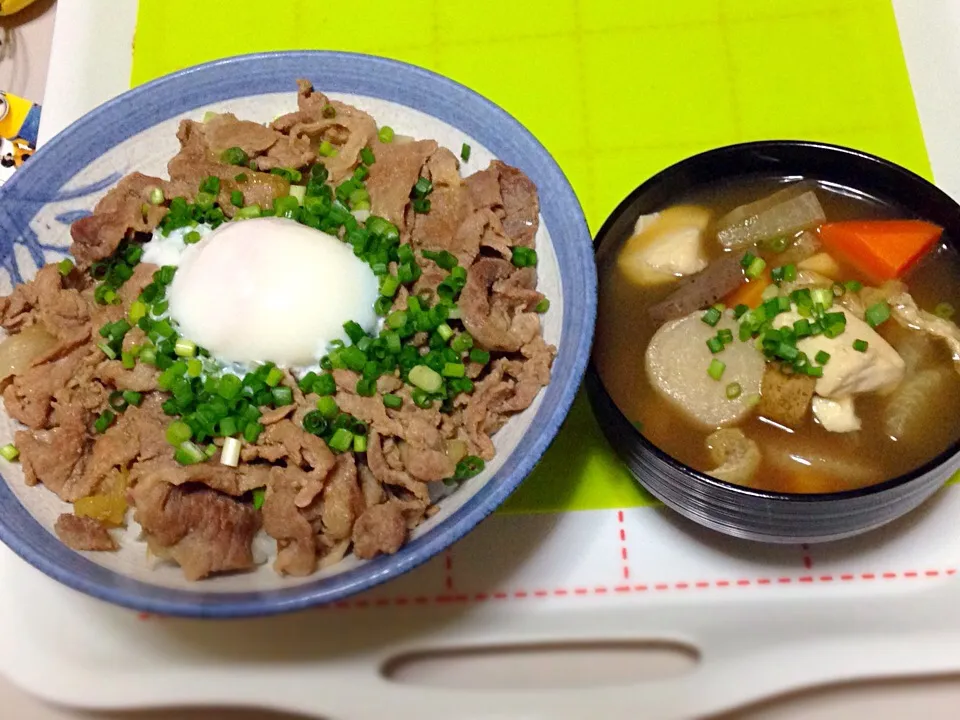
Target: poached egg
{"points": [[266, 289]]}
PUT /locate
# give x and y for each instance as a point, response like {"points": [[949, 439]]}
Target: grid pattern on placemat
{"points": [[616, 91]]}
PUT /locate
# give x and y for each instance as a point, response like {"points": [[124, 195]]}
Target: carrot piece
{"points": [[881, 249], [750, 292]]}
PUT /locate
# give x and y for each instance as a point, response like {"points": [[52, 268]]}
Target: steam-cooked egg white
{"points": [[269, 289]]}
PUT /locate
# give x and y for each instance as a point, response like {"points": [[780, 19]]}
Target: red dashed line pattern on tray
{"points": [[448, 569], [623, 545], [602, 590], [449, 596]]}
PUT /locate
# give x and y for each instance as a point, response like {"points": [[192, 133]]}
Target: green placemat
{"points": [[615, 90]]}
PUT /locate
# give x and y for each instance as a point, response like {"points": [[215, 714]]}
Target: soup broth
{"points": [[804, 458]]}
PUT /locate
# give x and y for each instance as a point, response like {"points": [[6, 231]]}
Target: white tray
{"points": [[763, 619]]}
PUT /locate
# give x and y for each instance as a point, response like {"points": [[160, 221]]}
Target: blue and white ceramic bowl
{"points": [[137, 131]]}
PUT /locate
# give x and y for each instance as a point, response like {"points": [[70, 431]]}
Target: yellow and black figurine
{"points": [[19, 122], [9, 7]]}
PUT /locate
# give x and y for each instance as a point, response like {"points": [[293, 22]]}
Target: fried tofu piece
{"points": [[785, 399]]}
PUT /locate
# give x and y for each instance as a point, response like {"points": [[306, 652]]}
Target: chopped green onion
{"points": [[389, 286], [422, 187], [524, 257], [755, 268], [185, 348], [853, 286], [367, 157], [944, 311], [127, 360], [443, 258], [834, 324], [725, 335], [228, 426], [421, 206], [711, 317], [392, 401], [421, 398], [385, 134], [479, 356], [116, 401], [107, 350], [802, 329], [229, 386], [9, 452], [715, 344], [194, 367], [245, 213], [770, 292], [470, 466], [716, 368], [740, 310], [445, 331], [65, 266], [138, 309], [453, 370], [210, 185], [314, 423], [258, 496], [822, 357], [306, 382], [234, 156], [542, 306], [252, 432], [787, 352], [392, 340], [327, 407], [282, 396], [288, 174], [733, 391], [341, 440], [104, 421], [747, 258], [860, 345], [777, 244], [236, 198], [178, 432], [813, 371], [426, 378], [274, 377], [465, 152], [822, 296], [325, 385], [359, 443], [132, 397], [397, 319], [189, 453], [462, 342], [327, 149], [877, 314]]}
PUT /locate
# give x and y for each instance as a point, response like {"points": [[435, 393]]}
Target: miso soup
{"points": [[786, 336]]}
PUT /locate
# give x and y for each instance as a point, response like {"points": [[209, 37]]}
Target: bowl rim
{"points": [[840, 152], [392, 80]]}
